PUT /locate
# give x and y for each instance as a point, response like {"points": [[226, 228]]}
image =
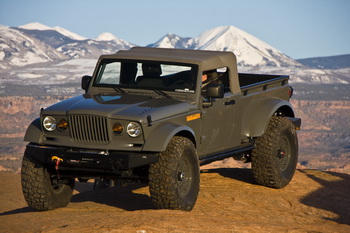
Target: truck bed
{"points": [[249, 80], [256, 81], [252, 83]]}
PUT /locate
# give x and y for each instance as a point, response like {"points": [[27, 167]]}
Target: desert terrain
{"points": [[229, 201]]}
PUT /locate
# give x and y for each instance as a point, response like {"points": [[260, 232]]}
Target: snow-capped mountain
{"points": [[37, 43], [48, 49], [174, 41], [250, 51], [20, 49], [35, 26], [106, 36], [63, 44], [42, 27], [69, 34], [93, 48]]}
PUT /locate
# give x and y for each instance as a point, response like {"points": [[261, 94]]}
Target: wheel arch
{"points": [[34, 132], [189, 135], [257, 117], [160, 137]]}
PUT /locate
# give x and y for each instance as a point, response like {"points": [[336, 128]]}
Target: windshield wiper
{"points": [[119, 90], [159, 92]]}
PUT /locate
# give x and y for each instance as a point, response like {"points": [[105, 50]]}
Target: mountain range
{"points": [[331, 62], [250, 51], [35, 51], [35, 42]]}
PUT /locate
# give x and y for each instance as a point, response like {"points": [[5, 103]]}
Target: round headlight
{"points": [[62, 125], [117, 128], [49, 123], [133, 129]]}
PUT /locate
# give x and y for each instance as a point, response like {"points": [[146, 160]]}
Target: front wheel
{"points": [[39, 190], [174, 179], [275, 157]]}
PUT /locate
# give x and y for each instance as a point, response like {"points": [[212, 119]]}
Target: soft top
{"points": [[208, 59]]}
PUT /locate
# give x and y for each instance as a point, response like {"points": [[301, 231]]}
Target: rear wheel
{"points": [[174, 179], [275, 157], [40, 191]]}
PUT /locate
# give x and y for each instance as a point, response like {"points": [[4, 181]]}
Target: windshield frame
{"points": [[102, 64]]}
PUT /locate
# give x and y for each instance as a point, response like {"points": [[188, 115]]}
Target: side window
{"points": [[224, 77], [219, 76], [109, 73]]}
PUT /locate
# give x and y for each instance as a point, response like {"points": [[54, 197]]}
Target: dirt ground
{"points": [[229, 201]]}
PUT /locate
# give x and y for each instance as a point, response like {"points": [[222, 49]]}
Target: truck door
{"points": [[221, 124]]}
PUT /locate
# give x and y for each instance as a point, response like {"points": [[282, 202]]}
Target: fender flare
{"points": [[160, 137], [34, 132], [259, 113]]}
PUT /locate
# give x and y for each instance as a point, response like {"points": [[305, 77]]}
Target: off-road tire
{"points": [[174, 179], [275, 157], [37, 186]]}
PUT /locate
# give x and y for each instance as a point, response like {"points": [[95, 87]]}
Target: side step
{"points": [[226, 154]]}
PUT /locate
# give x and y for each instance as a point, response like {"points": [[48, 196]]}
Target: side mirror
{"points": [[215, 90], [85, 81]]}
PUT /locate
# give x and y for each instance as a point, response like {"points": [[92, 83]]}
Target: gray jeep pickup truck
{"points": [[156, 115]]}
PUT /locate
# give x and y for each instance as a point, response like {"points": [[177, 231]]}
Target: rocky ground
{"points": [[229, 201]]}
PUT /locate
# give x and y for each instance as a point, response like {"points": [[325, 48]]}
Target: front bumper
{"points": [[90, 160]]}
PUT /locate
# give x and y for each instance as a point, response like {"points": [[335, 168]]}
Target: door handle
{"points": [[231, 102]]}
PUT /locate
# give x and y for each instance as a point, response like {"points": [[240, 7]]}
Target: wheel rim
{"points": [[184, 177], [284, 154]]}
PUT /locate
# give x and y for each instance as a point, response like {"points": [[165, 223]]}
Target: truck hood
{"points": [[123, 106]]}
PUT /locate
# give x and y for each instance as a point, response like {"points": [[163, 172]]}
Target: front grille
{"points": [[88, 128]]}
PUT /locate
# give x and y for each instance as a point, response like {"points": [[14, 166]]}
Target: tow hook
{"points": [[56, 160]]}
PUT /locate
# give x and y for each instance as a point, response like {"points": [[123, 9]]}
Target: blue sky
{"points": [[299, 28]]}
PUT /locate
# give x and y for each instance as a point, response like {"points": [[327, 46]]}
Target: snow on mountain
{"points": [[106, 36], [112, 39], [69, 34], [19, 49], [174, 41], [35, 26], [105, 43], [42, 27], [93, 48], [37, 43], [250, 51]]}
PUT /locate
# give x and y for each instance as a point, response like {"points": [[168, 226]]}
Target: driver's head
{"points": [[208, 76], [151, 69]]}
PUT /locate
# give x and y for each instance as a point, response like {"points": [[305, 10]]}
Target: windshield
{"points": [[147, 75]]}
